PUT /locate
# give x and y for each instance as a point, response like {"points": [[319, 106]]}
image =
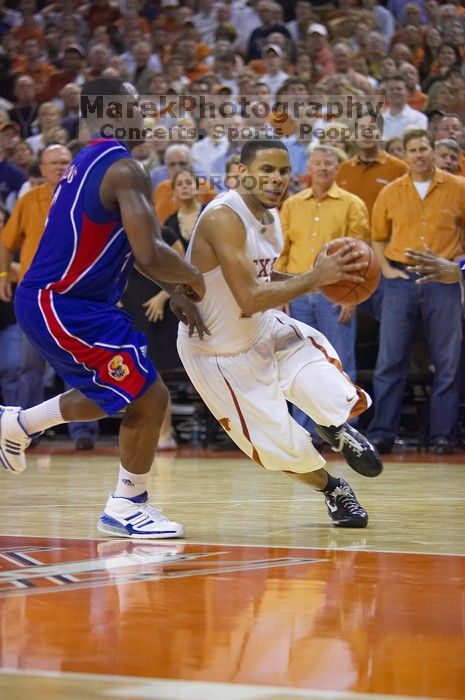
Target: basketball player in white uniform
{"points": [[256, 358]]}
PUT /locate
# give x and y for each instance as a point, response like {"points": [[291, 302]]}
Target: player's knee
{"points": [[162, 396], [150, 407]]}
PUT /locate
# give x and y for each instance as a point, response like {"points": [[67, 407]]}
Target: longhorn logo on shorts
{"points": [[117, 369]]}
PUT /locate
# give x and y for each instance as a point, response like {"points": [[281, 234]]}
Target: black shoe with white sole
{"points": [[359, 453], [343, 507]]}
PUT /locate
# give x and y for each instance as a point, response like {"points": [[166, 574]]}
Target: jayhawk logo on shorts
{"points": [[117, 369]]}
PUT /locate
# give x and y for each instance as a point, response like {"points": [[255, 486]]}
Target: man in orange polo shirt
{"points": [[423, 209], [25, 226]]}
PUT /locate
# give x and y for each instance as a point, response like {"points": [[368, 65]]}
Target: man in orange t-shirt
{"points": [[30, 63], [371, 168], [416, 98]]}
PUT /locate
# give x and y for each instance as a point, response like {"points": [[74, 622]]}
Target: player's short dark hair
{"points": [[105, 86], [251, 148]]}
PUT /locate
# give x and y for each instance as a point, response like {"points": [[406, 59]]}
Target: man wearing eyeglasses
{"points": [[177, 157], [22, 233]]}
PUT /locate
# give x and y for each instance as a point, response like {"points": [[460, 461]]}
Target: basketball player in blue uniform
{"points": [[101, 221]]}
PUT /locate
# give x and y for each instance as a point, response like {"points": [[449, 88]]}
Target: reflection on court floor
{"points": [[342, 623]]}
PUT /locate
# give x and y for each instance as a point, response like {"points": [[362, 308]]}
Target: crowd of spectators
{"points": [[267, 69]]}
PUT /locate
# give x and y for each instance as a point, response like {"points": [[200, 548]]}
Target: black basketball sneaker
{"points": [[359, 453]]}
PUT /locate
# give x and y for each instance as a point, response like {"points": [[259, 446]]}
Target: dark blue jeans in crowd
{"points": [[82, 429], [31, 382], [316, 311], [10, 364], [438, 307]]}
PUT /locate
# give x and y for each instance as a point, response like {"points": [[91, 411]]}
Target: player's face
{"points": [[267, 176]]}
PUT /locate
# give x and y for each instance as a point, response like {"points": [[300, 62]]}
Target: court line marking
{"points": [[347, 548], [179, 689], [245, 501]]}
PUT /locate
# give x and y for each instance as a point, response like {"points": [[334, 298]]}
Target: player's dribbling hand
{"points": [[340, 266], [187, 312]]}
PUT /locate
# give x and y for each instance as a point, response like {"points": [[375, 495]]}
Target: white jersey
{"points": [[250, 368], [231, 331]]}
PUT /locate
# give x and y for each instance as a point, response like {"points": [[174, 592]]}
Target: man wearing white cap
{"points": [[274, 76], [318, 48]]}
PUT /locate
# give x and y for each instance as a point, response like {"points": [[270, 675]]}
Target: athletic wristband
{"points": [[4, 274]]}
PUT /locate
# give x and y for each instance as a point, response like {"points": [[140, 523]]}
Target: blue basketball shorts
{"points": [[91, 345]]}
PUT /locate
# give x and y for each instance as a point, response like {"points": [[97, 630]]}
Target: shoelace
{"points": [[345, 497], [345, 438], [154, 513]]}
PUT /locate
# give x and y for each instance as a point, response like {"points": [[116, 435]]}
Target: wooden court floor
{"points": [[262, 599]]}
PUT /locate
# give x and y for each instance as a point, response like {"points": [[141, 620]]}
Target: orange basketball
{"points": [[353, 292]]}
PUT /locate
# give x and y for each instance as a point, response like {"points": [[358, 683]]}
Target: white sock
{"points": [[44, 415], [129, 484]]}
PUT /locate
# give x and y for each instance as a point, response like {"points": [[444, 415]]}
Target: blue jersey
{"points": [[84, 251]]}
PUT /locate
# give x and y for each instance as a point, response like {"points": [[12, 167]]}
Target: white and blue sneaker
{"points": [[14, 440], [135, 517]]}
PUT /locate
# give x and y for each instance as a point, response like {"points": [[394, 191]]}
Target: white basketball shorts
{"points": [[247, 392]]}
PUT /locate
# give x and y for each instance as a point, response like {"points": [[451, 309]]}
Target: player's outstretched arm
{"points": [[221, 234], [128, 186]]}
